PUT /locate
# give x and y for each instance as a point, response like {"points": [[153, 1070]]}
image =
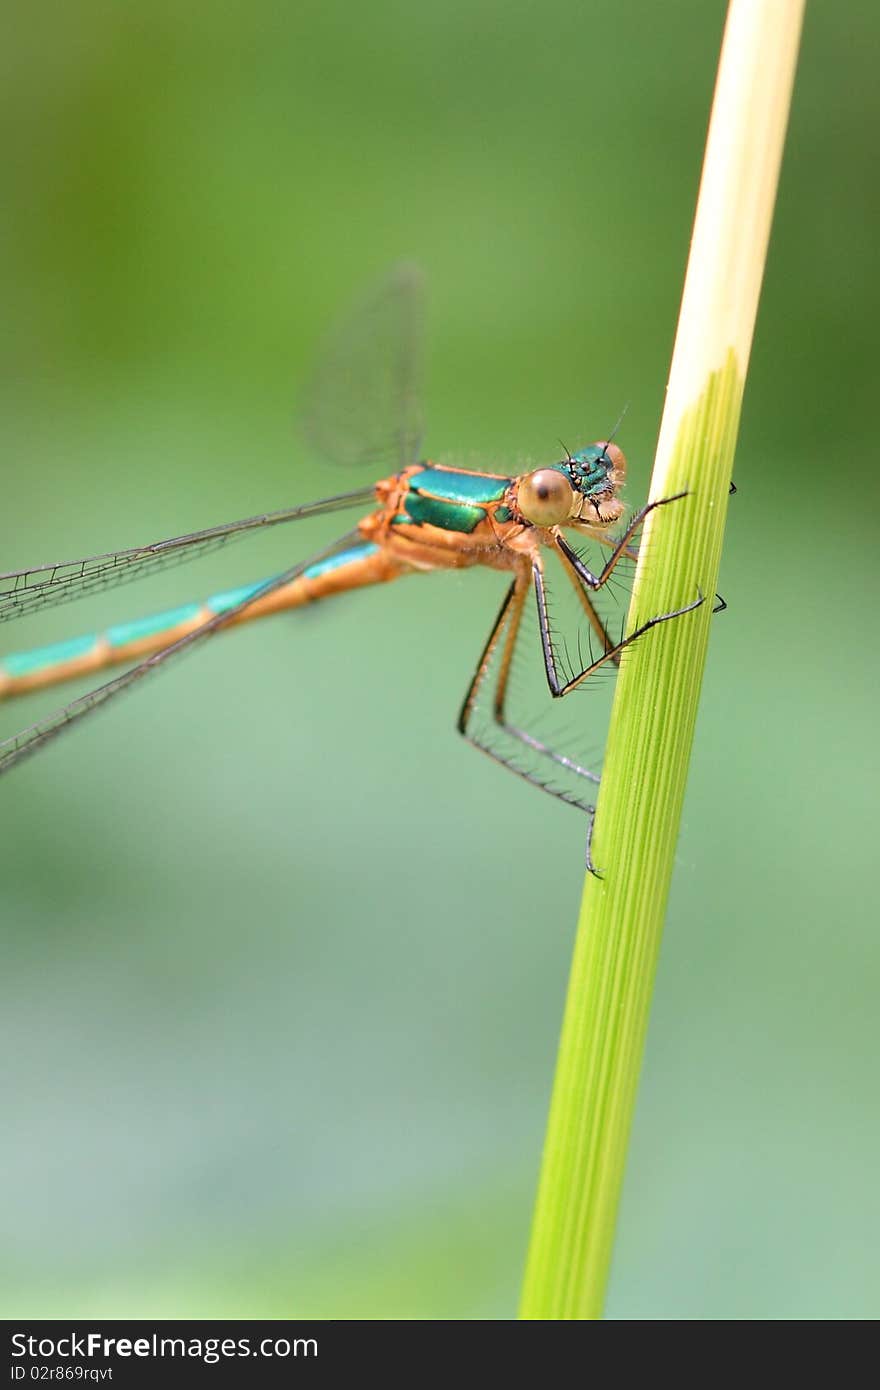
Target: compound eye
{"points": [[545, 497]]}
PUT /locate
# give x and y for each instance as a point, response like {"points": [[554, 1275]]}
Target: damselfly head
{"points": [[597, 473], [579, 491]]}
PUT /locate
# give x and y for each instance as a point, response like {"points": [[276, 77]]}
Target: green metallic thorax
{"points": [[451, 500]]}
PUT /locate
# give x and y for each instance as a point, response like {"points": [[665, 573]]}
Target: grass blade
{"points": [[655, 706]]}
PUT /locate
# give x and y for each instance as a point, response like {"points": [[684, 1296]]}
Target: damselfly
{"points": [[424, 516]]}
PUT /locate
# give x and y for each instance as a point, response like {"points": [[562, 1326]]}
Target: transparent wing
{"points": [[361, 405], [32, 590], [14, 750]]}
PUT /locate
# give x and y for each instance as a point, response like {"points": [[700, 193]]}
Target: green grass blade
{"points": [[655, 706]]}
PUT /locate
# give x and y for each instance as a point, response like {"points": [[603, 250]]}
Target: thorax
{"points": [[433, 516]]}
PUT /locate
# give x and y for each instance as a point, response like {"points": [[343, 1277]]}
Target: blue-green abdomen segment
{"points": [[361, 551], [29, 663], [123, 633], [24, 664], [221, 603]]}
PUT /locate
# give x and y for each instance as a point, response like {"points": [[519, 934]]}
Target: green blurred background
{"points": [[284, 961]]}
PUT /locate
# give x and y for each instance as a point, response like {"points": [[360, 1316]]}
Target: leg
{"points": [[507, 626], [510, 614], [630, 551], [559, 687], [509, 618], [620, 547], [565, 552]]}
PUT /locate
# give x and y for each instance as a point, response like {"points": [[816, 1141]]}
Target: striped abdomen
{"points": [[20, 672]]}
